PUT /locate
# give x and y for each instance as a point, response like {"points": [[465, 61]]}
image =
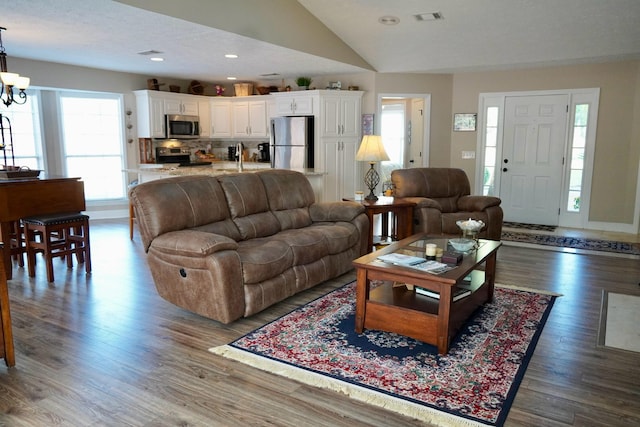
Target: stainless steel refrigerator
{"points": [[292, 142]]}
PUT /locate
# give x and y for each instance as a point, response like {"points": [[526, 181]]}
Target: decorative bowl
{"points": [[462, 244], [471, 225]]}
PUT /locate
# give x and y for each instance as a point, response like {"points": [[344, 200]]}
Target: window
{"points": [[392, 131], [24, 120], [490, 152], [92, 139], [576, 153]]}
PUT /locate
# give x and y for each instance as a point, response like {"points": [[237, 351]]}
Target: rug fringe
{"points": [[528, 289], [409, 409]]}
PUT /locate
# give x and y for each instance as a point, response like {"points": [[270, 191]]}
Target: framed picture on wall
{"points": [[367, 124], [464, 122]]}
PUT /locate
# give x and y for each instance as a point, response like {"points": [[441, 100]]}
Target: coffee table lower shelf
{"points": [[402, 311]]}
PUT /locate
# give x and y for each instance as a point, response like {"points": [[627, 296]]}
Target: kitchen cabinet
{"points": [[180, 104], [220, 118], [250, 119], [150, 114], [294, 105], [340, 115], [204, 112], [340, 167]]}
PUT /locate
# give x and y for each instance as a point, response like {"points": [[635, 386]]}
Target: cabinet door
{"points": [[341, 177], [172, 106], [330, 117], [258, 118], [294, 105], [350, 116], [350, 177], [284, 106], [204, 113], [156, 117], [240, 119], [190, 107], [220, 119], [333, 170]]}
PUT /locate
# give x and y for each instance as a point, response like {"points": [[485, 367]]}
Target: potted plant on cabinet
{"points": [[303, 82]]}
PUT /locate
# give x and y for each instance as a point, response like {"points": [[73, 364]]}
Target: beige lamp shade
{"points": [[371, 149]]}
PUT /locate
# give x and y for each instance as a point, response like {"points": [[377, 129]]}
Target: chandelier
{"points": [[11, 80]]}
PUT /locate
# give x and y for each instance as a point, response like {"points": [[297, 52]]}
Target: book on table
{"points": [[457, 292], [401, 259]]}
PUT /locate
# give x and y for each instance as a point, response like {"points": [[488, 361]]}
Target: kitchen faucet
{"points": [[239, 155]]}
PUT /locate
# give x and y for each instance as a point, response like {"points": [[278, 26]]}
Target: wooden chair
{"points": [[17, 243], [58, 235]]}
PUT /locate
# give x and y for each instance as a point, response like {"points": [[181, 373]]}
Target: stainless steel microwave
{"points": [[182, 127]]}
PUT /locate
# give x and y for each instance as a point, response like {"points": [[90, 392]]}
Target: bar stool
{"points": [[132, 214], [57, 235], [17, 242]]}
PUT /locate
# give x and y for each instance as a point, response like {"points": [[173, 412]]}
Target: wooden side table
{"points": [[6, 334], [401, 211]]}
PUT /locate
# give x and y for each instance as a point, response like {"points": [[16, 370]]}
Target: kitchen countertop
{"points": [[216, 168]]}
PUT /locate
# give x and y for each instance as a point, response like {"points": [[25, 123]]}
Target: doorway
{"points": [[536, 152], [404, 126]]}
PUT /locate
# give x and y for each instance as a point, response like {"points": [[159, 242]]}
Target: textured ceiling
{"points": [[474, 35]]}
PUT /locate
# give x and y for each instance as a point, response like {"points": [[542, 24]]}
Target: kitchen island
{"points": [[150, 172]]}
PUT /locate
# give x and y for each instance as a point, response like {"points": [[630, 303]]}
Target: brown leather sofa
{"points": [[442, 197], [231, 245]]}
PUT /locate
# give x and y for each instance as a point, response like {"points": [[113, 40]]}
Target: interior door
{"points": [[532, 158], [415, 137]]}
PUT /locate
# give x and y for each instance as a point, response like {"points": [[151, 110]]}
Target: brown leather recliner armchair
{"points": [[442, 197]]}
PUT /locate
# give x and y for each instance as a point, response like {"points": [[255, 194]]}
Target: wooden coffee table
{"points": [[399, 309]]}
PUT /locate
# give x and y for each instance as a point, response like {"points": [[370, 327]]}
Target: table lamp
{"points": [[371, 150]]}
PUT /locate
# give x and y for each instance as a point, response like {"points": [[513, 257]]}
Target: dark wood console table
{"points": [[23, 198]]}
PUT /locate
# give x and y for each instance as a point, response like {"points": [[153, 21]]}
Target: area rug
{"points": [[596, 245], [474, 384], [536, 227], [619, 320]]}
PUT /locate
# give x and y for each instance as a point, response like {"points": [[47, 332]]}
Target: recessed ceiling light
{"points": [[231, 78], [431, 16], [231, 55], [388, 20], [156, 59]]}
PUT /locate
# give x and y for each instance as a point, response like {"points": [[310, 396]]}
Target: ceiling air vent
{"points": [[431, 16], [150, 52], [388, 20]]}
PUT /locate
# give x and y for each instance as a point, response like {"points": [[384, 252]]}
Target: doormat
{"points": [[474, 384], [522, 225], [619, 320], [573, 242]]}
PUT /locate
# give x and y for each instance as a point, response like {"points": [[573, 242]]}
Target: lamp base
{"points": [[371, 180]]}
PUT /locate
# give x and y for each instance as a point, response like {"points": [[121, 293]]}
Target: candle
{"points": [[430, 250]]}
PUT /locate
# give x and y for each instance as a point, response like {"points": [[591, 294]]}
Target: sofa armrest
{"points": [[424, 202], [477, 203], [192, 243], [335, 211]]}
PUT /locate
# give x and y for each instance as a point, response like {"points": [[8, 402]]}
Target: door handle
{"points": [[504, 169]]}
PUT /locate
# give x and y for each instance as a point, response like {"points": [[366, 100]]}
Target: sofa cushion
{"points": [[248, 205], [289, 194], [263, 258], [339, 236], [174, 204], [306, 245]]}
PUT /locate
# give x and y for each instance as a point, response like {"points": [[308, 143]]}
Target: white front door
{"points": [[532, 158]]}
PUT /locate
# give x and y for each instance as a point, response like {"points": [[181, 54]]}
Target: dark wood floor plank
{"points": [[107, 350]]}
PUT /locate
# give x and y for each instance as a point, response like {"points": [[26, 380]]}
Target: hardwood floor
{"points": [[107, 350]]}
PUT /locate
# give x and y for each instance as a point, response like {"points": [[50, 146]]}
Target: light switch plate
{"points": [[468, 154]]}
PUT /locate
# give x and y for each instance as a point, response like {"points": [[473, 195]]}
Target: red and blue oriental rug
{"points": [[474, 384]]}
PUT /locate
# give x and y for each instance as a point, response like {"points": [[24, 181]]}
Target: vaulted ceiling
{"points": [[287, 38]]}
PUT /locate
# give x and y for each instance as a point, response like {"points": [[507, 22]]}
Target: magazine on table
{"points": [[419, 263]]}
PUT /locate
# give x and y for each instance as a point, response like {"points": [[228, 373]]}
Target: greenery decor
{"points": [[303, 81]]}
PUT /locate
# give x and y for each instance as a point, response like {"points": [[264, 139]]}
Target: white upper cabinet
{"points": [[340, 115], [250, 119], [181, 104], [294, 105], [221, 118]]}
